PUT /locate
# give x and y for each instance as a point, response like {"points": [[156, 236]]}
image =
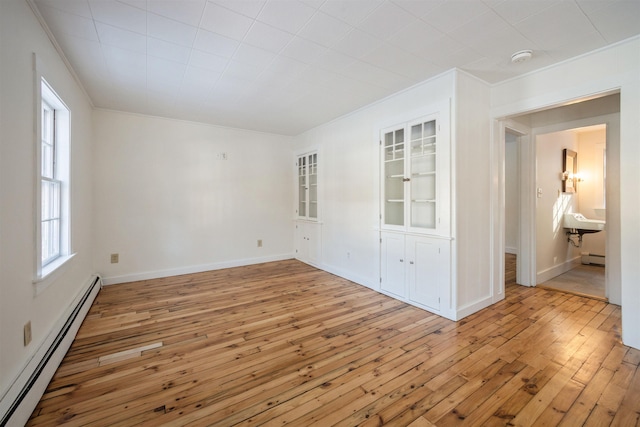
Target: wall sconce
{"points": [[566, 175]]}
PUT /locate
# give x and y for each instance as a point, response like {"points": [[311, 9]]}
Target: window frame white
{"points": [[50, 188], [47, 270]]}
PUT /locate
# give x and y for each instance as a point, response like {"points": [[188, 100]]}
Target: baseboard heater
{"points": [[28, 395], [587, 258]]}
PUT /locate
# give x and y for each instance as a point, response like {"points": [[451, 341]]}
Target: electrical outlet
{"points": [[259, 243], [115, 258], [27, 333]]}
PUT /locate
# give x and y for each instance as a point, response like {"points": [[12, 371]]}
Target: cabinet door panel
{"points": [[425, 271], [308, 243], [393, 172], [393, 264]]}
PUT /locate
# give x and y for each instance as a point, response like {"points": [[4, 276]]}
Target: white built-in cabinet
{"points": [[307, 226], [415, 210], [415, 268]]}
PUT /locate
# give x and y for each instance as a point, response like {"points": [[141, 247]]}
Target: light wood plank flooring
{"points": [[283, 343]]}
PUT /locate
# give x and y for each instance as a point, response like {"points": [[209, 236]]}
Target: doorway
{"points": [[523, 130]]}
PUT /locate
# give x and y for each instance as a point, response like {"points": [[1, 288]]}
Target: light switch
{"points": [[539, 192]]}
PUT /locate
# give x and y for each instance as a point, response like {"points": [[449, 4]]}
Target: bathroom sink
{"points": [[577, 221]]}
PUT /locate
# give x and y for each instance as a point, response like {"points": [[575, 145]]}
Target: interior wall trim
{"points": [[147, 275]]}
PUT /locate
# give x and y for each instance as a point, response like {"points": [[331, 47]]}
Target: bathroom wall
{"points": [[554, 255], [591, 190]]}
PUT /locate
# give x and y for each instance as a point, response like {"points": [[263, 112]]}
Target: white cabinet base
{"points": [[416, 269], [308, 247]]}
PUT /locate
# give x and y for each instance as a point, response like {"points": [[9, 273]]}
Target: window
{"points": [[52, 227], [50, 185]]}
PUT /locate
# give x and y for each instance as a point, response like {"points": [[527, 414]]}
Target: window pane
{"points": [[48, 142], [50, 240], [47, 161], [50, 199], [47, 122]]}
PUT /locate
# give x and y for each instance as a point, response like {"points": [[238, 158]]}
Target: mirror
{"points": [[569, 170]]}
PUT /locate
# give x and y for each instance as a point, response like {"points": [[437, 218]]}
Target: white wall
{"points": [[554, 255], [168, 203], [591, 194], [612, 69], [21, 35], [471, 181]]}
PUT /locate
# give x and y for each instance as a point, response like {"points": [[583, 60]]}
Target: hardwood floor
{"points": [[284, 343]]}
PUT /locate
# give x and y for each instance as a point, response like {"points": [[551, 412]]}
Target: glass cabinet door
{"points": [[302, 186], [313, 185], [394, 177], [423, 175], [409, 175], [308, 186]]}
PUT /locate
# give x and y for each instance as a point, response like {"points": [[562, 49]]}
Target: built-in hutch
{"points": [[415, 210], [412, 217], [307, 225]]}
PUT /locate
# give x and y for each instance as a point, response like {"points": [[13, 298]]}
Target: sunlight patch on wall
{"points": [[560, 207]]}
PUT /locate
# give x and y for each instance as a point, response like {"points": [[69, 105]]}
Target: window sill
{"points": [[51, 272]]}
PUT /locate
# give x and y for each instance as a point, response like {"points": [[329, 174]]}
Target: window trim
{"points": [[45, 273]]}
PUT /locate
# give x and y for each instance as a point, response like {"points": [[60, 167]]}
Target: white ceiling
{"points": [[285, 66]]}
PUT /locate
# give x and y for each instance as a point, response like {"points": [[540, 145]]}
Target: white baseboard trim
{"points": [[474, 307], [551, 272], [510, 250], [347, 275], [19, 401], [147, 275]]}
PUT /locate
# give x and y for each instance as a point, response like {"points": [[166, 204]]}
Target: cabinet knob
{"points": [[401, 260], [411, 262]]}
